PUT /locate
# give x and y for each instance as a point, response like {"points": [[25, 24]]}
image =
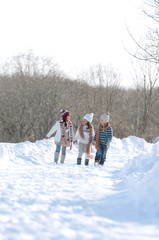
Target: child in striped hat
{"points": [[102, 138], [64, 135]]}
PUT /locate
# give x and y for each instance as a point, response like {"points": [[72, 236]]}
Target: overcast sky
{"points": [[76, 33]]}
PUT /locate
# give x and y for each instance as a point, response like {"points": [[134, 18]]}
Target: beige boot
{"points": [[56, 157], [62, 158]]}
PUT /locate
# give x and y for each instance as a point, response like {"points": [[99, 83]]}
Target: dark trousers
{"points": [[101, 153]]}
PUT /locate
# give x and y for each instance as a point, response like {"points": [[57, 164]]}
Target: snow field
{"points": [[42, 200]]}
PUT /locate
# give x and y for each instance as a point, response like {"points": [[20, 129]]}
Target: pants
{"points": [[101, 153], [58, 148], [80, 155]]}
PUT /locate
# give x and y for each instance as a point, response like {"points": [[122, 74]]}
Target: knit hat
{"points": [[89, 117], [105, 118], [64, 113]]}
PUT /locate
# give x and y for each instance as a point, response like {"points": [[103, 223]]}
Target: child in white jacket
{"points": [[64, 135], [84, 136]]}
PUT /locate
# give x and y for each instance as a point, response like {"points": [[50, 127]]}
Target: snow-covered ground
{"points": [[40, 200]]}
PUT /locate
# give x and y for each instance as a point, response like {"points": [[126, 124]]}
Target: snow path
{"points": [[40, 200]]}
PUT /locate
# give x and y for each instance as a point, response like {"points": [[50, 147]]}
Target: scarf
{"points": [[69, 125], [98, 133], [88, 148]]}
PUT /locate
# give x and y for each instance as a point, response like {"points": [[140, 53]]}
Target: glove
{"points": [[89, 156]]}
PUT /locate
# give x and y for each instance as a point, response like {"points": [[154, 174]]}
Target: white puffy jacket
{"points": [[86, 132], [56, 128]]}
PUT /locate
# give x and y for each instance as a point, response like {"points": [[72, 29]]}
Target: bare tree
{"points": [[145, 96], [105, 81], [148, 46]]}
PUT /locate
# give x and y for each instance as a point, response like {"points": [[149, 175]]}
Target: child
{"points": [[64, 135], [102, 138], [84, 135]]}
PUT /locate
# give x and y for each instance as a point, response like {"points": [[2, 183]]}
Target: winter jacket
{"points": [[86, 132], [105, 136], [57, 128]]}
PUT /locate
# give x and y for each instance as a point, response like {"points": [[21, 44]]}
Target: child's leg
{"points": [[57, 152], [98, 154], [79, 158], [103, 155], [80, 154], [63, 154]]}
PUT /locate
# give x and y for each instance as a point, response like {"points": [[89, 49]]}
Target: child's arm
{"points": [[110, 134], [71, 135], [53, 129], [94, 139], [76, 137]]}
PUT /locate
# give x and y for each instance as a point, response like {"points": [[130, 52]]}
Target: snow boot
{"points": [[96, 162], [62, 158], [79, 161], [86, 162], [101, 162], [56, 157]]}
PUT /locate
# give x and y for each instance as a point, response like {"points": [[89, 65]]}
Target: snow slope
{"points": [[40, 200]]}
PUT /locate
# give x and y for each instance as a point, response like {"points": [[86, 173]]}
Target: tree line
{"points": [[34, 89]]}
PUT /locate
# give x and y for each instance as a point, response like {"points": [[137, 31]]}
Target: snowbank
{"points": [[42, 200], [141, 179], [156, 140]]}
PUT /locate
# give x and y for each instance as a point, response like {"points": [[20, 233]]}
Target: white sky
{"points": [[76, 33]]}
